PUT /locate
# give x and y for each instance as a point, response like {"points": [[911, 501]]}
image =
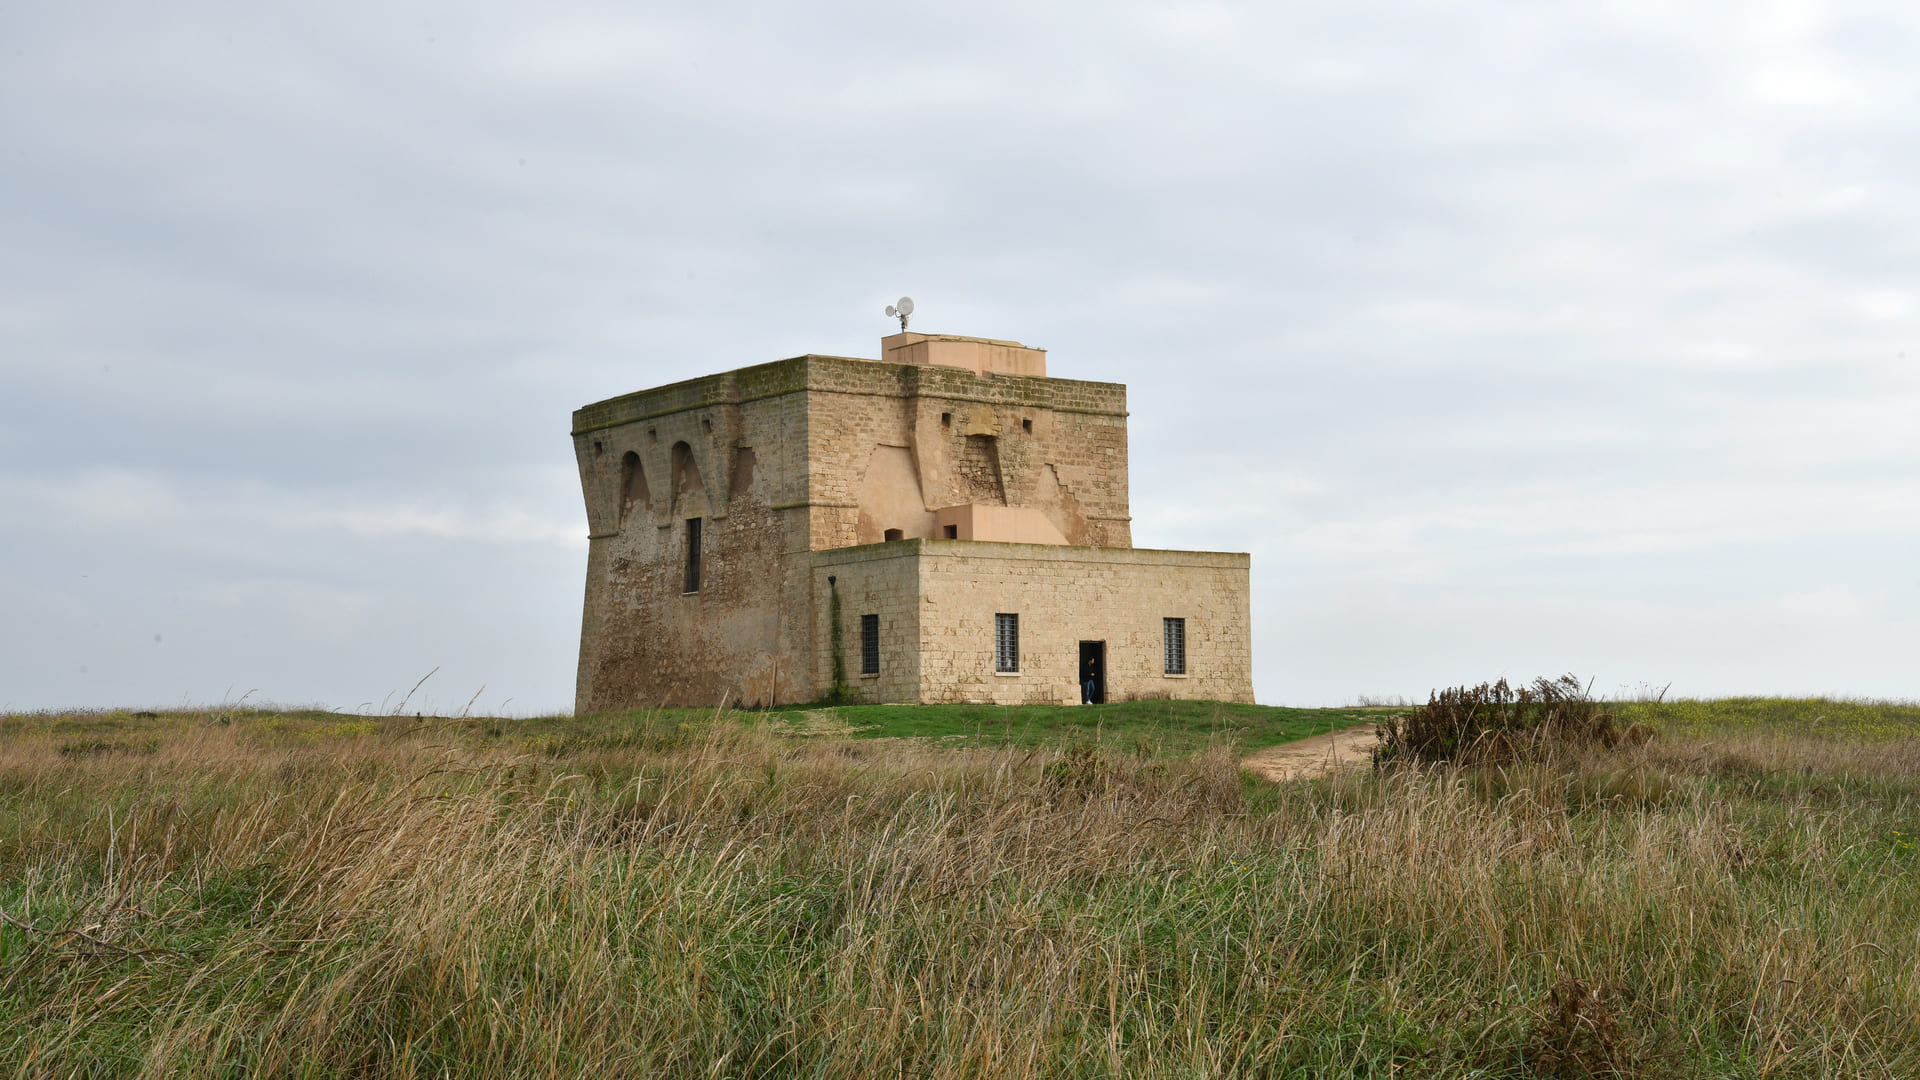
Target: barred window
{"points": [[1175, 632], [1006, 643], [869, 644]]}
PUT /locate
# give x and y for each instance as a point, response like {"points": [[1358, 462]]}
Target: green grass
{"points": [[675, 894], [1174, 726], [1816, 718]]}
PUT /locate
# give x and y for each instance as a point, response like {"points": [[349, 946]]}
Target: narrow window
{"points": [[953, 532], [869, 644], [946, 419], [1176, 641], [1026, 426], [1006, 643], [693, 555]]}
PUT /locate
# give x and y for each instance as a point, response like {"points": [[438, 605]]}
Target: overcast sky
{"points": [[1510, 339]]}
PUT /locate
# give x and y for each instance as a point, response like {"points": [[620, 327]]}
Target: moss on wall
{"points": [[836, 639]]}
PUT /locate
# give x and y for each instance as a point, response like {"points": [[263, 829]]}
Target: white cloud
{"points": [[1804, 84], [1829, 606], [140, 502], [492, 525], [1210, 23], [1886, 305], [1413, 300]]}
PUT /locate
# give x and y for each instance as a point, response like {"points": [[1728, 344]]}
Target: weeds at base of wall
{"points": [[838, 693]]}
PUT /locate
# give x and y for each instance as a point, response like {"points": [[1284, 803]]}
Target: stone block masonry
{"points": [[938, 601]]}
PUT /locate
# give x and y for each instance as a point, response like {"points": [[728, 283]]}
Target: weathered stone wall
{"points": [[948, 592], [877, 579], [791, 466], [747, 634], [1068, 595], [1058, 445]]}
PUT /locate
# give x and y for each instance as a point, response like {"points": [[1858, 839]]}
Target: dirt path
{"points": [[1314, 756]]}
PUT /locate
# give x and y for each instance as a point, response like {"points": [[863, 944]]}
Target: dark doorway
{"points": [[1093, 673]]}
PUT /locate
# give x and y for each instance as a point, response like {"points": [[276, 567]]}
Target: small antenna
{"points": [[901, 310]]}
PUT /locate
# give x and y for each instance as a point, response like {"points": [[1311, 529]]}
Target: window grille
{"points": [[869, 644], [1176, 645], [693, 555], [1006, 643]]}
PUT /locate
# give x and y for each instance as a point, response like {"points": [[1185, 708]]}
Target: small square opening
{"points": [[953, 532], [894, 534], [1026, 426]]}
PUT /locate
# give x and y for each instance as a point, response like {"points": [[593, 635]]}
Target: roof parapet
{"points": [[982, 356]]}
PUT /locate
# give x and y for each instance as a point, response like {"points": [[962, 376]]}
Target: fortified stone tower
{"points": [[944, 524]]}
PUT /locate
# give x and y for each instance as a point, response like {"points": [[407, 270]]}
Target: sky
{"points": [[1509, 339]]}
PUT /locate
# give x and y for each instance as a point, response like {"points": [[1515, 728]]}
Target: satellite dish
{"points": [[901, 310]]}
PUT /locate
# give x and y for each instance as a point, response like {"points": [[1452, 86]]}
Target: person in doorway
{"points": [[1087, 684]]}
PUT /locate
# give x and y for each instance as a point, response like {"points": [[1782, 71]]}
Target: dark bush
{"points": [[1577, 1035], [1496, 724]]}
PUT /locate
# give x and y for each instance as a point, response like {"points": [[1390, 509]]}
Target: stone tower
{"points": [[959, 516]]}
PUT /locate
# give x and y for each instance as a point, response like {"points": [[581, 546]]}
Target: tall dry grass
{"points": [[726, 902]]}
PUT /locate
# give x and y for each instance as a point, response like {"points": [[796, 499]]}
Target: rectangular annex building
{"points": [[945, 524]]}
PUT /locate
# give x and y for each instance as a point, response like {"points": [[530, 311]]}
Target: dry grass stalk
{"points": [[729, 902]]}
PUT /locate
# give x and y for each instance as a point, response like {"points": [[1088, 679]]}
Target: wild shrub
{"points": [[1495, 724], [1577, 1035], [1080, 769]]}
